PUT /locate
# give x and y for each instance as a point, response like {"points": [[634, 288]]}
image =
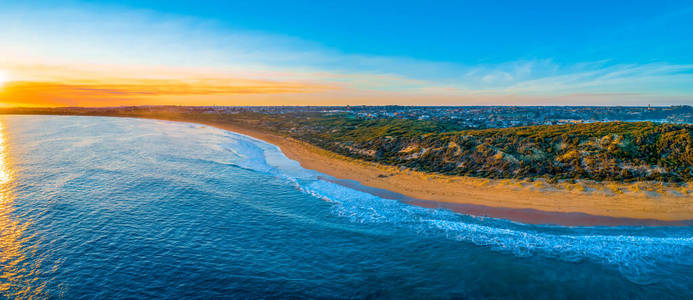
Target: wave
{"points": [[641, 254]]}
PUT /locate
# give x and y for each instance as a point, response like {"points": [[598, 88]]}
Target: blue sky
{"points": [[464, 31], [438, 52]]}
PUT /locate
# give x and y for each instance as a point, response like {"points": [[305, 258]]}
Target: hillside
{"points": [[621, 151], [598, 151]]}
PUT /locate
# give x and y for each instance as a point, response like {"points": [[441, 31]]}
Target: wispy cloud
{"points": [[137, 53]]}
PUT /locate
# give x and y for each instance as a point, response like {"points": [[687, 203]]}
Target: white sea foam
{"points": [[638, 253]]}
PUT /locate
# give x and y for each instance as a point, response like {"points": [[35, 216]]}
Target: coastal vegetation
{"points": [[613, 151], [610, 151]]}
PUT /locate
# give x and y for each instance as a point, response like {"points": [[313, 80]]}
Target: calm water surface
{"points": [[125, 208]]}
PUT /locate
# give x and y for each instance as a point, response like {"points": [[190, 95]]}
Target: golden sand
{"points": [[641, 200]]}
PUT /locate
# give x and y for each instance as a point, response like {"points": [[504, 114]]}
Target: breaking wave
{"points": [[641, 254]]}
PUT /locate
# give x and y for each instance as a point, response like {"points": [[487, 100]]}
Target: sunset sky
{"points": [[111, 53]]}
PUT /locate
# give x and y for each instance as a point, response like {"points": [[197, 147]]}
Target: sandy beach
{"points": [[646, 201]]}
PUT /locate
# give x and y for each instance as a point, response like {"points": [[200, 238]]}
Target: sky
{"points": [[113, 53]]}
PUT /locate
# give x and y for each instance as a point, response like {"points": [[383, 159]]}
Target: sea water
{"points": [[95, 207]]}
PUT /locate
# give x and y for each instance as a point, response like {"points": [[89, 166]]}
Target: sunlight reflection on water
{"points": [[18, 276]]}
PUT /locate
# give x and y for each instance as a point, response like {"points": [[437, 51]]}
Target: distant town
{"points": [[486, 116], [471, 117], [595, 143]]}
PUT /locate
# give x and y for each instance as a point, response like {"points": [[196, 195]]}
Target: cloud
{"points": [[654, 78], [24, 93], [120, 55]]}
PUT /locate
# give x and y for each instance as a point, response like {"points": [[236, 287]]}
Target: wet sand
{"points": [[522, 202], [523, 215], [579, 204]]}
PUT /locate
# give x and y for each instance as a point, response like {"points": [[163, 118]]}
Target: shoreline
{"points": [[522, 215], [477, 197], [580, 204]]}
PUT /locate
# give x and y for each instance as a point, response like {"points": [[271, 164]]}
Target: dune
{"points": [[642, 200]]}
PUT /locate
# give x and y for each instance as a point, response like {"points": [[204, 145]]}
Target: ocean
{"points": [[97, 207]]}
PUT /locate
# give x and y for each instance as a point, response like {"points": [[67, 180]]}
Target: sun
{"points": [[3, 78]]}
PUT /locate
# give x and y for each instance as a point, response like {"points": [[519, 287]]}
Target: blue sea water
{"points": [[94, 207]]}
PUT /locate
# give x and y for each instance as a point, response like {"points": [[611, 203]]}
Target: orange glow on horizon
{"points": [[45, 84], [142, 92], [49, 85]]}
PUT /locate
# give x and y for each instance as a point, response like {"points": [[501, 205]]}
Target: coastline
{"points": [[473, 195], [581, 203]]}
